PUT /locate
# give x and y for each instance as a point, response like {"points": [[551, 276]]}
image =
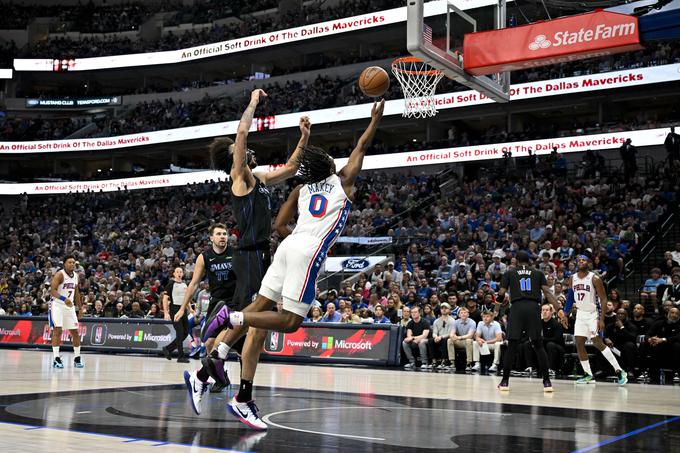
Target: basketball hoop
{"points": [[418, 81]]}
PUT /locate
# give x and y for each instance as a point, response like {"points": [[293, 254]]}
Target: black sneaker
{"points": [[182, 359], [166, 354], [547, 386], [57, 363], [78, 363], [504, 386], [217, 387], [215, 369]]}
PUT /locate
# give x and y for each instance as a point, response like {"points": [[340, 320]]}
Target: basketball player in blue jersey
{"points": [[323, 202], [588, 295], [62, 313], [251, 258]]}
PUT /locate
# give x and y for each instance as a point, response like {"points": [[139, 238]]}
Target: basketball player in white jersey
{"points": [[589, 295], [323, 202], [62, 313]]}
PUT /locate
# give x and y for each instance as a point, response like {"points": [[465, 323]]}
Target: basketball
{"points": [[374, 81]]}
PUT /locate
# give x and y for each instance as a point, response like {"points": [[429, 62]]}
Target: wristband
{"points": [[62, 298]]}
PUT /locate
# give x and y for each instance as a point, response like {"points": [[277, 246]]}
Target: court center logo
{"points": [[540, 42]]}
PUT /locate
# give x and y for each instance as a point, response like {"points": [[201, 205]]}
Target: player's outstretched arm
{"points": [[286, 214], [550, 297], [288, 171], [240, 173], [199, 272], [356, 160]]}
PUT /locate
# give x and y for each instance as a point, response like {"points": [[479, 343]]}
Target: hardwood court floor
{"points": [[135, 403]]}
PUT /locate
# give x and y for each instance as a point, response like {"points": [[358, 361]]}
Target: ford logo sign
{"points": [[355, 264]]}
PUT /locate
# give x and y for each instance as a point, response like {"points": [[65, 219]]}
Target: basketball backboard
{"points": [[435, 32]]}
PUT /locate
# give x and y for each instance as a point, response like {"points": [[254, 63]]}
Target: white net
{"points": [[418, 82]]}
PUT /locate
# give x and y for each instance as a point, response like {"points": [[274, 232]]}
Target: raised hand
{"points": [[305, 126], [256, 95], [378, 109]]}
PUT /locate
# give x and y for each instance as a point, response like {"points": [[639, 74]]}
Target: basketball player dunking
{"points": [[587, 294], [62, 313], [252, 210], [525, 285], [323, 203]]}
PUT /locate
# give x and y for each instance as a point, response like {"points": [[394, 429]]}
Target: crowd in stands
{"points": [[449, 248], [83, 17], [31, 128]]}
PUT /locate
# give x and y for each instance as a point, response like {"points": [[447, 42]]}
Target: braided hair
{"points": [[315, 165]]}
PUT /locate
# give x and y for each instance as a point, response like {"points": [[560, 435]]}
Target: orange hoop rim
{"points": [[412, 59]]}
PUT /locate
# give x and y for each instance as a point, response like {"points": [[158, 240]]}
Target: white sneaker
{"points": [[425, 366], [476, 368], [493, 368], [247, 414], [196, 389], [409, 366]]}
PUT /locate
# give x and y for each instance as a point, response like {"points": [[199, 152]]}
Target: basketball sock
{"points": [[245, 391], [609, 355], [236, 318], [586, 367], [202, 375], [76, 351], [509, 359], [223, 350], [55, 351]]}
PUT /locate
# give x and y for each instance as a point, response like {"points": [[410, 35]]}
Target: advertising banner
{"points": [[460, 154], [364, 240], [532, 90], [352, 263], [332, 342], [320, 30], [70, 103], [95, 333], [594, 34]]}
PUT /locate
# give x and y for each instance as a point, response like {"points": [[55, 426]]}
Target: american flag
{"points": [[427, 34]]}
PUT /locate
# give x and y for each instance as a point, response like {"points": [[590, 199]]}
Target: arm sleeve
{"points": [[570, 301]]}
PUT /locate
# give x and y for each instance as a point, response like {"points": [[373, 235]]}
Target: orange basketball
{"points": [[374, 81]]}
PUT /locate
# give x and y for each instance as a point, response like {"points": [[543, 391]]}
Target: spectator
{"points": [[417, 333], [314, 315], [136, 311], [640, 321], [24, 310], [668, 264], [488, 339], [331, 315], [629, 157], [428, 314], [405, 317], [380, 317], [672, 144], [365, 316], [622, 335], [648, 292], [441, 331], [672, 292], [663, 346]]}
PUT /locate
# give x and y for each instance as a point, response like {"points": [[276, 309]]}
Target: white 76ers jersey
{"points": [[323, 208], [67, 287], [585, 296]]}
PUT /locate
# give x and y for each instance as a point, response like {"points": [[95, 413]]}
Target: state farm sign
{"points": [[567, 39]]}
